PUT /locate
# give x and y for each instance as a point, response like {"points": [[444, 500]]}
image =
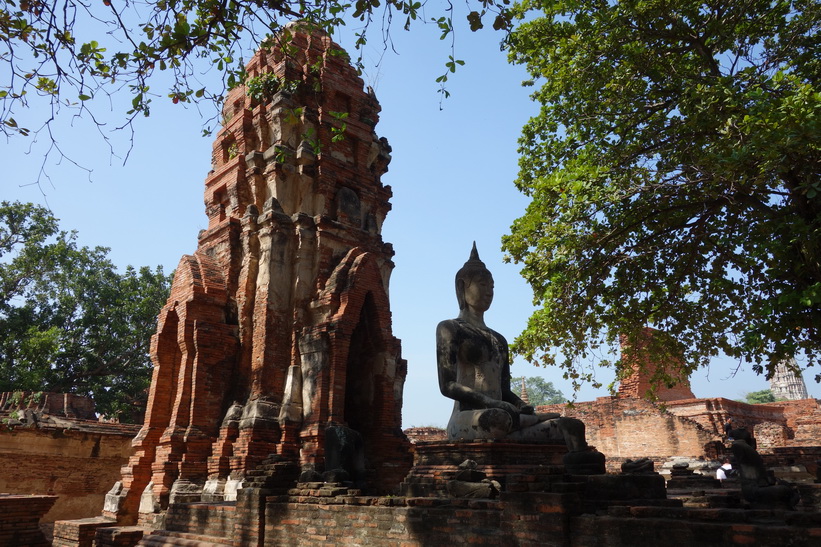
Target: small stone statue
{"points": [[637, 467], [742, 434], [469, 482], [474, 371], [344, 456], [758, 486]]}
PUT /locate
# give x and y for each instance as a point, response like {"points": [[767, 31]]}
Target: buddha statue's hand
{"points": [[510, 409], [527, 409]]}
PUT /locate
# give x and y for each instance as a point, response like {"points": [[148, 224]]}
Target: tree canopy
{"points": [[79, 58], [70, 322], [673, 170], [540, 391], [758, 397]]}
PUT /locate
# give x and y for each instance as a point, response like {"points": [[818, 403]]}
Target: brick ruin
{"points": [[279, 324], [677, 424], [52, 444], [65, 405], [20, 517]]}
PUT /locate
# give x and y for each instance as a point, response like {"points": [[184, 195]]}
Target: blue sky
{"points": [[452, 177]]}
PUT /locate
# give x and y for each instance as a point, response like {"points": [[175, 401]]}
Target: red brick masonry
{"points": [[20, 519]]}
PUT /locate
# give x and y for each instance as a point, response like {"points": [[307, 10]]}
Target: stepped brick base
{"points": [[119, 536], [20, 519], [362, 520], [333, 515], [524, 519], [208, 519], [165, 538], [516, 466], [79, 532], [648, 526]]}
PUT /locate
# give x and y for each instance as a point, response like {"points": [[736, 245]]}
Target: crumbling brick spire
{"points": [[279, 324]]}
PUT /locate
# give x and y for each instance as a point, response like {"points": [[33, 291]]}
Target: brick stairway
{"points": [[204, 524]]}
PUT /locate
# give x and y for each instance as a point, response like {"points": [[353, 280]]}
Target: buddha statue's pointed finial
{"points": [[472, 268], [474, 262]]}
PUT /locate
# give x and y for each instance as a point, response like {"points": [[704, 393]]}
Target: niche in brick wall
{"points": [[366, 347], [230, 149], [348, 207], [218, 205], [168, 353]]}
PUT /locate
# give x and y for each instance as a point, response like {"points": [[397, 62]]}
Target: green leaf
{"points": [[73, 323], [475, 21]]}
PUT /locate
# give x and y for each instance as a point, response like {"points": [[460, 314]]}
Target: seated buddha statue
{"points": [[474, 370]]}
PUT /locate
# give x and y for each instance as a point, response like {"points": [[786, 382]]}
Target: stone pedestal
{"points": [[684, 478], [20, 519], [810, 498], [648, 486], [513, 465]]}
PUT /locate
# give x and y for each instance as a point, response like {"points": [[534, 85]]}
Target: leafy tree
{"points": [[674, 175], [75, 55], [69, 321], [539, 391], [758, 397]]}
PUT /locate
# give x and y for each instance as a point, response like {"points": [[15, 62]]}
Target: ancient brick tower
{"points": [[279, 324], [642, 369]]}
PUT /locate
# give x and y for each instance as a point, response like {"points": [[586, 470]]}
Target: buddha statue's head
{"points": [[474, 270]]}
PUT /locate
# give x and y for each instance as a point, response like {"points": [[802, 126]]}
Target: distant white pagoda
{"points": [[787, 382]]}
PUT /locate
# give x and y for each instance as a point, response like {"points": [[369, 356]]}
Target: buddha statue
{"points": [[474, 370]]}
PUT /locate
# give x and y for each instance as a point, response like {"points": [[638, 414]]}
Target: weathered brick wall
{"points": [[795, 410], [78, 532], [633, 428], [77, 466], [20, 517], [628, 428], [807, 431], [67, 405], [638, 385], [208, 519], [535, 519], [518, 467], [525, 520], [425, 434], [803, 420], [653, 526], [713, 413], [769, 435]]}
